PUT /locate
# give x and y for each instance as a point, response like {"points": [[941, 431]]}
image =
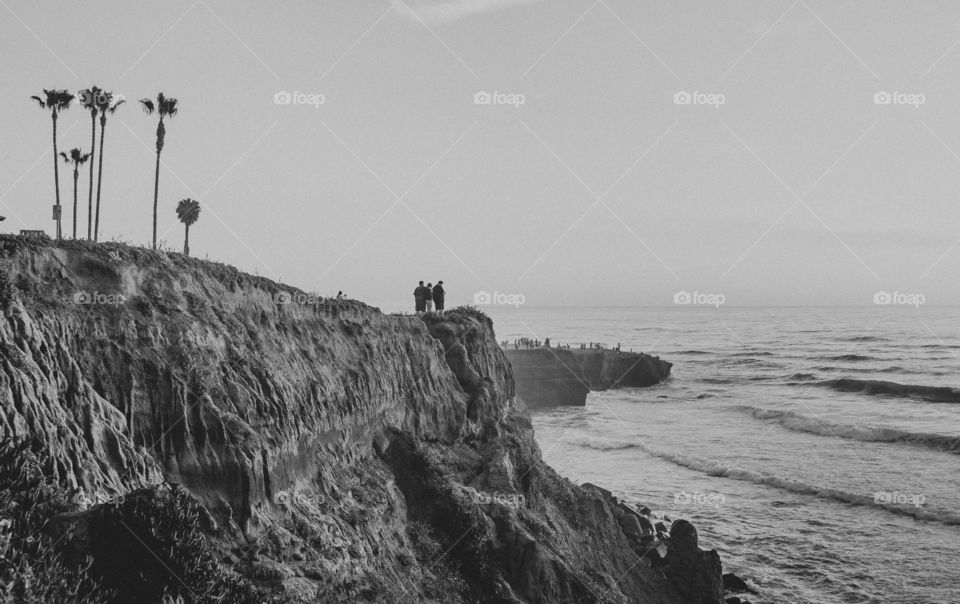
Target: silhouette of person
{"points": [[439, 296], [428, 297], [419, 298]]}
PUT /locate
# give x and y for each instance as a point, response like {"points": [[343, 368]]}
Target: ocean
{"points": [[814, 483]]}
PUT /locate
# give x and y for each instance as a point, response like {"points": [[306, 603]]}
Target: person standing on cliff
{"points": [[419, 297], [439, 295], [428, 297]]}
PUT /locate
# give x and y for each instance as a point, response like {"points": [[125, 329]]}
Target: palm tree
{"points": [[56, 101], [165, 107], [88, 98], [77, 158], [106, 103], [188, 211]]}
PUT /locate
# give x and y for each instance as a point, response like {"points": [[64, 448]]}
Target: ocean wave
{"points": [[719, 469], [602, 444], [751, 362], [890, 369], [936, 394], [751, 354], [802, 423], [690, 352], [801, 377], [852, 357], [862, 339]]}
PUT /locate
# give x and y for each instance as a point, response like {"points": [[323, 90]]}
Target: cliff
{"points": [[306, 449], [549, 377]]}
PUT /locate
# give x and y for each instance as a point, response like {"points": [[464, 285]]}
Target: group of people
{"points": [[529, 343], [598, 346], [429, 297]]}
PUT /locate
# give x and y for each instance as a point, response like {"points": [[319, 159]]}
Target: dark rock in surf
{"points": [[696, 573], [735, 584]]}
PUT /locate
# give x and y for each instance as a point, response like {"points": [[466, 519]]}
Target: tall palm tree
{"points": [[88, 98], [188, 211], [165, 107], [56, 101], [106, 103], [77, 158]]}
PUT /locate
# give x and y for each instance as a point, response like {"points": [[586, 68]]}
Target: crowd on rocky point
{"points": [[532, 343]]}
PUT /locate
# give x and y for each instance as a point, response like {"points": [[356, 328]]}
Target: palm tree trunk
{"points": [[93, 145], [186, 241], [56, 169], [76, 175], [156, 191], [103, 130]]}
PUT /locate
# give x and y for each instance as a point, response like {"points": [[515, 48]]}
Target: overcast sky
{"points": [[586, 181]]}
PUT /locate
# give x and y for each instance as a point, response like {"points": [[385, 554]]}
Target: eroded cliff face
{"points": [[548, 377], [342, 454]]}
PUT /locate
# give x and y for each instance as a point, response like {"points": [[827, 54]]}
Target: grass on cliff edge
{"points": [[116, 251]]}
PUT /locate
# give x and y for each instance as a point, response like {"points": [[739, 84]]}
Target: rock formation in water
{"points": [[548, 377], [311, 450]]}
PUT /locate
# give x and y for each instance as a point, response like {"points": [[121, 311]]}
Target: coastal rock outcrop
{"points": [[334, 453], [548, 377]]}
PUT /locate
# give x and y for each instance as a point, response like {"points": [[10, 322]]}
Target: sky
{"points": [[570, 152]]}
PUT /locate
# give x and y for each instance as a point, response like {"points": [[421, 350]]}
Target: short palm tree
{"points": [[88, 98], [56, 101], [77, 158], [106, 103], [165, 107], [188, 211]]}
